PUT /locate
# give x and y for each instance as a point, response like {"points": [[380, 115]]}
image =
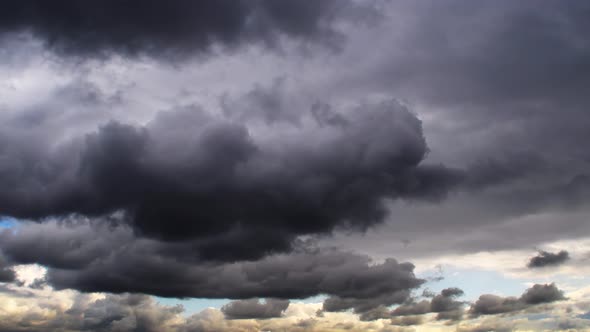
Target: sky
{"points": [[294, 165]]}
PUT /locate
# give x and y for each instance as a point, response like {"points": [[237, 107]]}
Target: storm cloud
{"points": [[240, 191], [98, 257], [282, 150], [176, 28]]}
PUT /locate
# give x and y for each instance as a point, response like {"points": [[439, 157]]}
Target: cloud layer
{"points": [[106, 259], [170, 30]]}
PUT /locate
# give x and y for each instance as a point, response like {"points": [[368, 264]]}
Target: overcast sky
{"points": [[294, 165]]}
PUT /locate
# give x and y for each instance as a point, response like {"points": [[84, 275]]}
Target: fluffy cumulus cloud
{"points": [[35, 309], [264, 152], [93, 312]]}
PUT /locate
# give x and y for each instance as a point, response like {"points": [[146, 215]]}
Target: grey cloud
{"points": [[545, 258], [417, 308], [213, 320], [113, 313], [507, 77], [487, 326], [380, 312], [492, 304], [445, 300], [254, 309], [127, 312], [572, 324], [407, 320], [69, 244], [100, 257], [514, 217], [444, 304], [6, 273], [438, 63], [179, 28], [38, 283], [503, 169], [269, 104], [369, 307], [189, 174], [16, 293], [512, 52], [542, 294]]}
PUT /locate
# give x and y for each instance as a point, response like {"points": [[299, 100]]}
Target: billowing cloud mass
{"points": [[298, 165], [545, 258], [239, 193]]}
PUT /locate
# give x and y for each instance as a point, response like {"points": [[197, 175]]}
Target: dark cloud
{"points": [[16, 293], [487, 326], [6, 273], [510, 77], [104, 258], [545, 258], [294, 276], [138, 312], [190, 175], [369, 308], [416, 308], [444, 304], [502, 169], [501, 60], [572, 324], [407, 320], [38, 283], [380, 312], [177, 28], [542, 294], [254, 309], [212, 205], [492, 304]]}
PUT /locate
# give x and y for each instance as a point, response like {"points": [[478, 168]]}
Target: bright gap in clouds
{"points": [[8, 222], [193, 306]]}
